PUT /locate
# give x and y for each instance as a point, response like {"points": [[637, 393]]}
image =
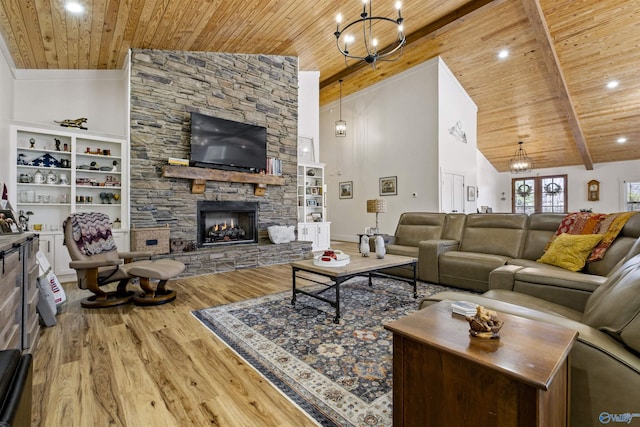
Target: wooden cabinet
{"points": [[443, 376], [312, 212], [10, 302], [19, 322], [30, 293], [58, 171]]}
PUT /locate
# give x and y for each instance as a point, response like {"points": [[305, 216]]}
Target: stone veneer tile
{"points": [[257, 89]]}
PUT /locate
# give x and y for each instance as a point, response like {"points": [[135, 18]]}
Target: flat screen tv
{"points": [[224, 144]]}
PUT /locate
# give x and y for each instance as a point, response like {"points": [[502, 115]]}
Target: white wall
{"points": [[42, 96], [6, 106], [455, 156], [309, 107], [490, 186], [393, 129]]}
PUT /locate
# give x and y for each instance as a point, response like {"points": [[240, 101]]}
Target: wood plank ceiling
{"points": [[550, 92]]}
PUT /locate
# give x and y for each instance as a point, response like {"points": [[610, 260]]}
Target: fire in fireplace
{"points": [[222, 223], [224, 233]]}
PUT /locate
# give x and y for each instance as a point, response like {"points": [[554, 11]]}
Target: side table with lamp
{"points": [[376, 206]]}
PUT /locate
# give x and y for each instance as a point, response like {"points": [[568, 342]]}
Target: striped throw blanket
{"points": [[92, 232]]}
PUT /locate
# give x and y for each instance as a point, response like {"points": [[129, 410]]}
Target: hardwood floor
{"points": [[157, 366]]}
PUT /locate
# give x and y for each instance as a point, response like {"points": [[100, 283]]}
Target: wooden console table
{"points": [[200, 176], [443, 376]]}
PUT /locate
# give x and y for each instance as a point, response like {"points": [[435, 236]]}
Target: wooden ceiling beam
{"points": [[550, 57], [428, 29]]}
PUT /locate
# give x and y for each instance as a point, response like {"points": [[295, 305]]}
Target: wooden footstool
{"points": [[161, 270]]}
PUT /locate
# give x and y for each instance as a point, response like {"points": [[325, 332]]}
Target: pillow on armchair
{"points": [[570, 251]]}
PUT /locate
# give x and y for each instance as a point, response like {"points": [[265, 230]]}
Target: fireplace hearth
{"points": [[227, 223]]}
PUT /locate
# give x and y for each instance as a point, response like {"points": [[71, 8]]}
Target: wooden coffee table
{"points": [[359, 266], [443, 376]]}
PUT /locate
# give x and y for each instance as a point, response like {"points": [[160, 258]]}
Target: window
{"points": [[632, 195], [539, 194]]}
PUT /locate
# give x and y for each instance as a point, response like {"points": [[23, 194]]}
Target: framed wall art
{"points": [[471, 194], [389, 186], [346, 190]]}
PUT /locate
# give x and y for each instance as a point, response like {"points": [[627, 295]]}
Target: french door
{"points": [[539, 194]]}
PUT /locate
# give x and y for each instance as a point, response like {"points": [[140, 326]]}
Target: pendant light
{"points": [[520, 163], [341, 125]]}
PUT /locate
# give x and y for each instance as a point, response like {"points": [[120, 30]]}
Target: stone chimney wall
{"points": [[255, 89]]}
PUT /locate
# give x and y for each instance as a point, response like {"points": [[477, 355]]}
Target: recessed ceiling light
{"points": [[503, 53], [622, 140], [74, 7], [613, 84]]}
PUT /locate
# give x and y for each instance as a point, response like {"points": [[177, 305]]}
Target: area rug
{"points": [[339, 374]]}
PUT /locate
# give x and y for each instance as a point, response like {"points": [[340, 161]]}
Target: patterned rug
{"points": [[339, 374]]}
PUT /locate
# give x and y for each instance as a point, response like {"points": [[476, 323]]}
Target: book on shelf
{"points": [[274, 166], [464, 308]]}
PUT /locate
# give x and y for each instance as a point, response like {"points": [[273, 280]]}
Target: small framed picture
{"points": [[8, 222], [471, 194], [389, 186], [346, 190], [314, 191], [312, 202]]}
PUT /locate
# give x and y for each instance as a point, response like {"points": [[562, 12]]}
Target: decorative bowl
{"points": [[331, 258]]}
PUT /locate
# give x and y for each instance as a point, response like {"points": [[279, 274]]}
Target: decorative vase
{"points": [[380, 250], [364, 245]]}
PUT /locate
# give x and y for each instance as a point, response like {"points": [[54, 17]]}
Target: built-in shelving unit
{"points": [[58, 171], [312, 213]]}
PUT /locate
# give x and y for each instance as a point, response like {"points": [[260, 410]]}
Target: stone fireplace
{"points": [[256, 89], [226, 223]]}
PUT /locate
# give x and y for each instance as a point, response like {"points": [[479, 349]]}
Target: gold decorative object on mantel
{"points": [[485, 324], [200, 176]]}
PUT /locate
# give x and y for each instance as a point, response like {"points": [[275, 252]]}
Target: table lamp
{"points": [[376, 206]]}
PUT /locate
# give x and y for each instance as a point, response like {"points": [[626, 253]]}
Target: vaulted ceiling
{"points": [[550, 92]]}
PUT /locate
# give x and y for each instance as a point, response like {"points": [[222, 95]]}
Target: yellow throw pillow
{"points": [[570, 251]]}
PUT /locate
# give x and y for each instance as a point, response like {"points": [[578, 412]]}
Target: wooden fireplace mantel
{"points": [[200, 176]]}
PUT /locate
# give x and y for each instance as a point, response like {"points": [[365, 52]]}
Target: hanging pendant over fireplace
{"points": [[227, 223]]}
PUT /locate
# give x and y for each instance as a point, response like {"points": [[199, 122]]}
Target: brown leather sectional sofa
{"points": [[497, 252]]}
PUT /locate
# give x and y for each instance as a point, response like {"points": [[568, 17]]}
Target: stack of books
{"points": [[464, 308], [274, 166]]}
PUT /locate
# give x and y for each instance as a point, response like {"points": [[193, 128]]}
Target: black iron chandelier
{"points": [[368, 51], [520, 163]]}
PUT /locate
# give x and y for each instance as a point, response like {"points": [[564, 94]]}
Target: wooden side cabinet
{"points": [[10, 302], [442, 376], [19, 295]]}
